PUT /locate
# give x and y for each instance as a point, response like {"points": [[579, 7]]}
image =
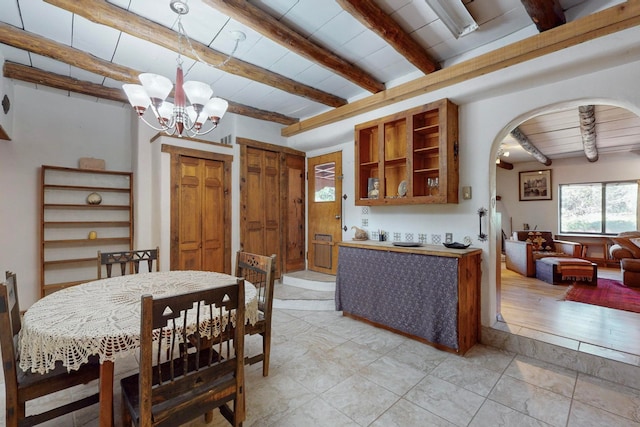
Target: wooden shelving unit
{"points": [[413, 155], [68, 255]]}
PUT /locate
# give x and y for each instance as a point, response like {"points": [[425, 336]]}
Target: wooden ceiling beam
{"points": [[102, 12], [37, 76], [587, 115], [529, 147], [544, 13], [374, 18], [34, 75], [608, 21], [265, 24], [504, 164]]}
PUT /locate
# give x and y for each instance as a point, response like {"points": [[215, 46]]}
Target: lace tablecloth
{"points": [[103, 317]]}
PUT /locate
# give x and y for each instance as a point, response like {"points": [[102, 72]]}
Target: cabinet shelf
{"points": [[427, 129], [70, 261], [85, 188], [83, 207], [424, 171], [67, 256], [63, 224], [426, 150], [86, 242], [412, 148]]}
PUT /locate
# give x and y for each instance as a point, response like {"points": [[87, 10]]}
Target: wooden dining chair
{"points": [[178, 383], [133, 258], [22, 387], [259, 270]]}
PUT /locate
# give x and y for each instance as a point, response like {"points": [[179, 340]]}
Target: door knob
{"points": [[338, 217]]}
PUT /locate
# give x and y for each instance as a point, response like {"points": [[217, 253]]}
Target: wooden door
{"points": [[201, 223], [293, 224], [325, 211], [200, 210], [260, 203]]}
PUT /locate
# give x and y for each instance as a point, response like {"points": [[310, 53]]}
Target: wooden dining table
{"points": [[102, 318]]}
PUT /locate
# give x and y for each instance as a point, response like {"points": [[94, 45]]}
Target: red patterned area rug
{"points": [[608, 293]]}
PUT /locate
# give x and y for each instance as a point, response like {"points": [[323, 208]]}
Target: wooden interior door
{"points": [[260, 203], [200, 210], [325, 212], [201, 225]]}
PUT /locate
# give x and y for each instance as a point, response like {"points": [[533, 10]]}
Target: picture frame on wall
{"points": [[535, 185]]}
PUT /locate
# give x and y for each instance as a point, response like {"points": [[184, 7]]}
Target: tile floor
{"points": [[329, 370]]}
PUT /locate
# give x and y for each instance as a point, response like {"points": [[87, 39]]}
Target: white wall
{"points": [[50, 128]]}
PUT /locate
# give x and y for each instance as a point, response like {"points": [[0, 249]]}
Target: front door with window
{"points": [[325, 212]]}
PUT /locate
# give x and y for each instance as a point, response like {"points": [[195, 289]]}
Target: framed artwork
{"points": [[535, 185]]}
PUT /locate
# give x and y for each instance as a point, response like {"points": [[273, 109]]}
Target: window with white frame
{"points": [[599, 207]]}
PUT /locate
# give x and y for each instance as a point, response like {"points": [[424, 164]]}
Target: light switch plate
{"points": [[448, 238], [466, 193]]}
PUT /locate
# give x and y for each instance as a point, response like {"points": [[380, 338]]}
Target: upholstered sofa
{"points": [[525, 247], [626, 249]]}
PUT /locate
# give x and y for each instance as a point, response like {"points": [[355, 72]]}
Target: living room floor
{"points": [[529, 302]]}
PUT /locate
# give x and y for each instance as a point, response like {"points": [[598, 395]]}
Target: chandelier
{"points": [[179, 118]]}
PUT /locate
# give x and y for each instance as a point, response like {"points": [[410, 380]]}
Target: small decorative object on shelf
{"points": [[360, 234], [482, 236], [93, 235], [94, 199]]}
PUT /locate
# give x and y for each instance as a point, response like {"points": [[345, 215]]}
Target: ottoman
{"points": [[630, 272], [559, 270]]}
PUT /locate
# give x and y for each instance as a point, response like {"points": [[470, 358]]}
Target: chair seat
{"points": [[38, 385]]}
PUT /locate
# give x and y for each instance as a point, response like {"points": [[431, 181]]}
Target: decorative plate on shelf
{"points": [[456, 245], [94, 199], [407, 244], [402, 189]]}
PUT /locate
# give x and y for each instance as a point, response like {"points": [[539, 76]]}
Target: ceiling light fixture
{"points": [[454, 15], [178, 118]]}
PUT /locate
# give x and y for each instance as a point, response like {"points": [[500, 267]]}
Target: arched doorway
{"points": [[522, 301]]}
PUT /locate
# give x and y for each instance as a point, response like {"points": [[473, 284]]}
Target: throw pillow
{"points": [[626, 242]]}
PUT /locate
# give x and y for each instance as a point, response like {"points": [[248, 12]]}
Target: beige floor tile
{"points": [[462, 373], [608, 396], [316, 413], [497, 415], [545, 375], [531, 400], [583, 415], [446, 400], [404, 413], [392, 374], [360, 399]]}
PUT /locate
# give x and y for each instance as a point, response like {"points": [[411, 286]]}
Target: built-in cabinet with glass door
{"points": [[409, 157]]}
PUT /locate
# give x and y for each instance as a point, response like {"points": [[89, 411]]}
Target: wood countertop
{"points": [[435, 250]]}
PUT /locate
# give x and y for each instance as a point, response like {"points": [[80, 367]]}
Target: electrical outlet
{"points": [[448, 238]]}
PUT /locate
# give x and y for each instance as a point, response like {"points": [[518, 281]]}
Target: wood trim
{"points": [[269, 147], [200, 154], [608, 21], [188, 138]]}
